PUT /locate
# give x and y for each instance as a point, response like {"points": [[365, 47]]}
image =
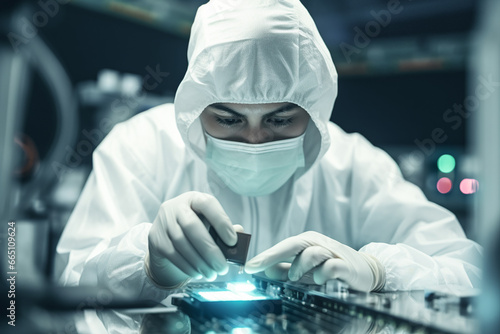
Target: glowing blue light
{"points": [[446, 163], [229, 295], [241, 286], [241, 330]]}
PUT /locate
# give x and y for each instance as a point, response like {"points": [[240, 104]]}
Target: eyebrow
{"points": [[284, 108]]}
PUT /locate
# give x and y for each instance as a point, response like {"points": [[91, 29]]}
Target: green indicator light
{"points": [[446, 163]]}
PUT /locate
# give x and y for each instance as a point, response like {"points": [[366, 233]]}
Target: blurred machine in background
{"points": [[403, 79], [486, 133], [27, 174]]}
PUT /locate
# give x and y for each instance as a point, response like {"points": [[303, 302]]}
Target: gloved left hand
{"points": [[324, 257]]}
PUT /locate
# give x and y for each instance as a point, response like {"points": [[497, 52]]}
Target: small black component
{"points": [[236, 254]]}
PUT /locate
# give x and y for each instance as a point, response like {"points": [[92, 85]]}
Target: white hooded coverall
{"points": [[259, 51]]}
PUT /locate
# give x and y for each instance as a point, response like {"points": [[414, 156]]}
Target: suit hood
{"points": [[259, 51]]}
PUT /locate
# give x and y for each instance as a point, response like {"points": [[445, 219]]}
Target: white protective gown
{"points": [[259, 51]]}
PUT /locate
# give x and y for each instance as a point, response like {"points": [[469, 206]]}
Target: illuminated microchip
{"points": [[241, 286], [226, 295]]}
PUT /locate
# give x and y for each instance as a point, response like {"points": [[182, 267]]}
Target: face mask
{"points": [[255, 169]]}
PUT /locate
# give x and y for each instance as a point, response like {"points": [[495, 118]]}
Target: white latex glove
{"points": [[180, 246], [324, 257]]}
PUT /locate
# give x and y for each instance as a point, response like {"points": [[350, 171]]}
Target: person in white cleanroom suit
{"points": [[248, 141]]}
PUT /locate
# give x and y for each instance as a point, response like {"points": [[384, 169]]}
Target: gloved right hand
{"points": [[325, 257], [180, 246]]}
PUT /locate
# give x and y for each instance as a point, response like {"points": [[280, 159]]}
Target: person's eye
{"points": [[228, 122], [279, 122]]}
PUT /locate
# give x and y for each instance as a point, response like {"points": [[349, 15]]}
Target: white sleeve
{"points": [[105, 239], [421, 244]]}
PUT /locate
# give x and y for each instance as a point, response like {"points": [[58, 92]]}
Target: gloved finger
{"points": [[184, 248], [285, 249], [330, 269], [202, 241], [309, 258], [278, 272], [238, 228], [161, 249], [209, 206], [307, 278], [164, 272]]}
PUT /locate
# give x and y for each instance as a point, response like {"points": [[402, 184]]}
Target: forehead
{"points": [[246, 109]]}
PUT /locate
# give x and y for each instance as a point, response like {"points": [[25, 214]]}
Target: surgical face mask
{"points": [[255, 169]]}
